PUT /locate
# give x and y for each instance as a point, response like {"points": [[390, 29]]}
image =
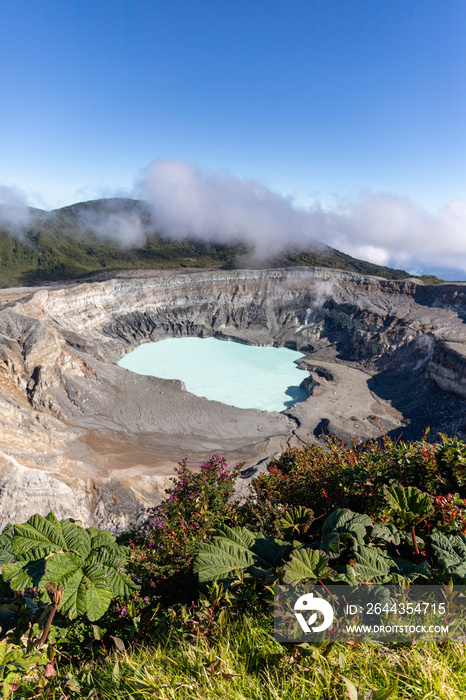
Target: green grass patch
{"points": [[244, 661]]}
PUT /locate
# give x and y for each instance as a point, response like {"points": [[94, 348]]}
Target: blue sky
{"points": [[318, 100]]}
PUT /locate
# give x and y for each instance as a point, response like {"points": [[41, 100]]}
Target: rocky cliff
{"points": [[84, 437]]}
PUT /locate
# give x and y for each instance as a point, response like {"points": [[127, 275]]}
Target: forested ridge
{"points": [[118, 234]]}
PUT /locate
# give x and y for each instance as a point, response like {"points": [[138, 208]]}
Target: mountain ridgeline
{"points": [[119, 234]]}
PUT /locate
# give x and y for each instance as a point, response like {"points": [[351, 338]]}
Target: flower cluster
{"points": [[196, 504]]}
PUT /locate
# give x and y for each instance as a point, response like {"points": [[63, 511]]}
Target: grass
{"points": [[245, 662]]}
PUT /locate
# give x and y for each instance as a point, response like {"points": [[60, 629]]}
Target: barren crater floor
{"points": [[87, 438]]}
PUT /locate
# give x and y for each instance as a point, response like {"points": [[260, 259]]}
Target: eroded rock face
{"points": [[84, 437]]}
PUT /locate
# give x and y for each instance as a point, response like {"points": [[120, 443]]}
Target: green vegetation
{"points": [[341, 261], [64, 244], [183, 603], [51, 555], [79, 240], [431, 279]]}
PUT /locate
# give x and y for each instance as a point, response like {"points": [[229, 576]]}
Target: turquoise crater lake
{"points": [[246, 376]]}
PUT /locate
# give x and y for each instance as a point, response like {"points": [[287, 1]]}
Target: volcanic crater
{"points": [[88, 439]]}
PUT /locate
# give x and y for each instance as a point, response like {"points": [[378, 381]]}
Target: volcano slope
{"points": [[85, 438]]}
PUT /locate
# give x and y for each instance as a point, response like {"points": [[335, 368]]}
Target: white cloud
{"points": [[384, 227], [14, 211], [218, 206], [126, 228], [380, 227], [215, 205]]}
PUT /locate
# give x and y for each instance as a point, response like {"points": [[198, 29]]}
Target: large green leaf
{"points": [[22, 575], [241, 537], [102, 565], [347, 575], [88, 564], [341, 525], [37, 537], [296, 521], [388, 533], [42, 536], [451, 553], [372, 565], [307, 565], [97, 601], [79, 583], [103, 538], [238, 549], [229, 551], [269, 553], [65, 569], [73, 602], [411, 572], [77, 539], [411, 504], [6, 553], [62, 564]]}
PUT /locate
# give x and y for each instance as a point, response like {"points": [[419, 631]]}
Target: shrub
{"points": [[355, 477], [196, 505]]}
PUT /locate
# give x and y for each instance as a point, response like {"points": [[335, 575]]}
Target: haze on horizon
{"points": [[278, 124]]}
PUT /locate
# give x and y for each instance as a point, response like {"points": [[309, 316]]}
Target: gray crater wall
{"points": [[382, 356]]}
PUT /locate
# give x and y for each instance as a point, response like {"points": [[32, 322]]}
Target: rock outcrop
{"points": [[84, 437]]}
